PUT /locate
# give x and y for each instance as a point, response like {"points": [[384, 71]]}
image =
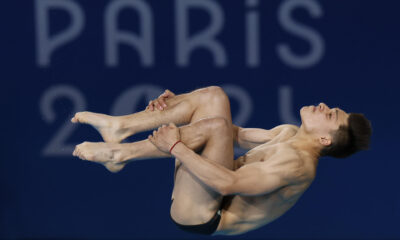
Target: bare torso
{"points": [[244, 213]]}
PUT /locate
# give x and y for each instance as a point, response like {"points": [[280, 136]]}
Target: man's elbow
{"points": [[235, 132], [225, 191], [228, 188]]}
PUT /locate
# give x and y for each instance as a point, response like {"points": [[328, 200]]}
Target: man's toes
{"points": [[88, 156], [79, 117], [83, 157], [74, 153], [81, 146], [74, 120]]}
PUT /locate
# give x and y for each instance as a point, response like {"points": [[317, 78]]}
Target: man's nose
{"points": [[323, 106]]}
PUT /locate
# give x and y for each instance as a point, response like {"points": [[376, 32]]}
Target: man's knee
{"points": [[213, 94], [217, 126]]}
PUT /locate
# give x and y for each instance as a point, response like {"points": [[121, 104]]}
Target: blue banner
{"points": [[113, 56]]}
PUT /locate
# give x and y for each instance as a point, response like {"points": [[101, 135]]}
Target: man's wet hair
{"points": [[350, 139]]}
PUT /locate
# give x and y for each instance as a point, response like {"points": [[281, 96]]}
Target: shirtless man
{"points": [[213, 194]]}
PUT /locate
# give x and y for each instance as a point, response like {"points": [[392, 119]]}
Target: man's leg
{"points": [[194, 202], [182, 109], [193, 136]]}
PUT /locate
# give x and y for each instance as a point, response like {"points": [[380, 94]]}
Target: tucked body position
{"points": [[213, 193]]}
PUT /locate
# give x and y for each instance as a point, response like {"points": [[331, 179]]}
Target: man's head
{"points": [[340, 134]]}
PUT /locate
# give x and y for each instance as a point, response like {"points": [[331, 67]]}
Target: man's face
{"points": [[322, 120]]}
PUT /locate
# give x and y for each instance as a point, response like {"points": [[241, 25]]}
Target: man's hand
{"points": [[159, 103], [165, 137]]}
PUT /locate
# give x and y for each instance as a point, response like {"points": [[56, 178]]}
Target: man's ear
{"points": [[325, 141]]}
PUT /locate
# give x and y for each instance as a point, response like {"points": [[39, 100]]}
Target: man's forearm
{"points": [[249, 138], [210, 173], [245, 137]]}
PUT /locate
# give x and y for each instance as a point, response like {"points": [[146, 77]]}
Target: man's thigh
{"points": [[194, 202], [205, 102]]}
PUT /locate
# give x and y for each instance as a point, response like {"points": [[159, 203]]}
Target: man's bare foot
{"points": [[108, 126], [108, 154]]}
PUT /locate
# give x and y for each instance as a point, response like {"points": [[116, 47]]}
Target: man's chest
{"points": [[261, 153], [266, 151]]}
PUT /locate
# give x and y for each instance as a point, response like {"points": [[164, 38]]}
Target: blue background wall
{"points": [[344, 53]]}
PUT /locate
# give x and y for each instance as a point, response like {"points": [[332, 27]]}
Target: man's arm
{"points": [[248, 138], [253, 179], [250, 180]]}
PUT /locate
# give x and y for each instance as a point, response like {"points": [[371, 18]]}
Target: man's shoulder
{"points": [[288, 127], [287, 130], [296, 168]]}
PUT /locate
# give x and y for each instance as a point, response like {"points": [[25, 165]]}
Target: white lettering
{"points": [[289, 24], [185, 44], [46, 45], [113, 36]]}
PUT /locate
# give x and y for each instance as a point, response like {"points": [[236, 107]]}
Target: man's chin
{"points": [[303, 113]]}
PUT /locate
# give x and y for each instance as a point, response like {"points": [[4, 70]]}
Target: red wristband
{"points": [[174, 146]]}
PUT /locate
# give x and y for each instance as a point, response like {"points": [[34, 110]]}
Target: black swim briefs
{"points": [[207, 228]]}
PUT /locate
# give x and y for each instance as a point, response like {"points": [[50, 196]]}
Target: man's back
{"points": [[244, 213]]}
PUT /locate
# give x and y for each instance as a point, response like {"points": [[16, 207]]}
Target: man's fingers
{"points": [[150, 106], [157, 105], [162, 102], [165, 94], [150, 137], [161, 105], [169, 93]]}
